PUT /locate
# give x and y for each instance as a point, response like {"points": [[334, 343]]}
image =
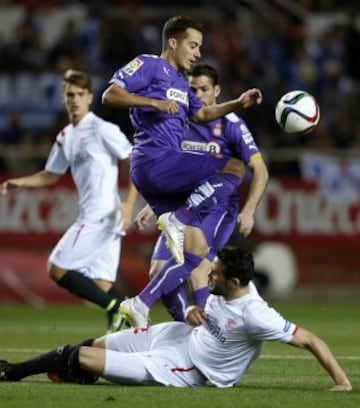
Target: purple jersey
{"points": [[230, 136], [153, 77]]}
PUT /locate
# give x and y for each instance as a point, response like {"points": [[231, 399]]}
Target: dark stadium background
{"points": [[308, 225]]}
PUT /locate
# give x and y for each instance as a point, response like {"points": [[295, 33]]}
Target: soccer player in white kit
{"points": [[86, 258], [216, 345]]}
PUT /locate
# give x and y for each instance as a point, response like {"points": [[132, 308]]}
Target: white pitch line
{"points": [[265, 356], [293, 357]]}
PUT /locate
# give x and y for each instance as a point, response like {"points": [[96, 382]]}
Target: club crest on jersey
{"points": [[217, 130], [133, 66], [178, 96], [230, 325]]}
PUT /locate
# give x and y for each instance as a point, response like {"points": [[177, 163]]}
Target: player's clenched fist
{"points": [[194, 315]]}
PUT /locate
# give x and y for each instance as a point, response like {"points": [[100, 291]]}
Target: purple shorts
{"points": [[167, 181], [218, 225]]}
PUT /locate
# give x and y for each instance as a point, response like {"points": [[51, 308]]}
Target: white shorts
{"points": [[153, 355], [90, 248]]}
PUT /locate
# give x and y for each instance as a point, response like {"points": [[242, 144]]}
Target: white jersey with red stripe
{"points": [[233, 336], [220, 350], [91, 149]]}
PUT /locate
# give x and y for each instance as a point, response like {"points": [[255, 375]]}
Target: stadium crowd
{"points": [[275, 48]]}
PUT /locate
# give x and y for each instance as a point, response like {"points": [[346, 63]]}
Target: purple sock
{"points": [[176, 303], [200, 296], [170, 276], [205, 196]]}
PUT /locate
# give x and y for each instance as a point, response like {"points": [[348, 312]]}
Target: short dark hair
{"points": [[238, 263], [175, 27], [78, 78], [205, 70]]}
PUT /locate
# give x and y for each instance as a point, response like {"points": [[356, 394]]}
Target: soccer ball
{"points": [[297, 112]]}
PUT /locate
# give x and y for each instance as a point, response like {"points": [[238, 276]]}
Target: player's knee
{"points": [[55, 272], [196, 242], [78, 366], [199, 250]]}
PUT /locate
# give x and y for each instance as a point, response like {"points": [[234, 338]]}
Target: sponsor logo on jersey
{"points": [[211, 147], [246, 135], [213, 326], [81, 158], [133, 66], [217, 130], [188, 145], [178, 96]]}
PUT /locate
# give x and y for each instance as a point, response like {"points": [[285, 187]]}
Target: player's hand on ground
{"points": [[166, 106], [341, 387], [143, 217], [194, 315], [251, 97], [246, 223]]}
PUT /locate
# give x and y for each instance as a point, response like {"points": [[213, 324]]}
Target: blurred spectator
{"points": [[69, 46], [13, 132], [352, 50]]}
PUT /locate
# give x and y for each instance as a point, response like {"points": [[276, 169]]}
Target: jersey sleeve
{"points": [[135, 75], [115, 141], [242, 139], [56, 161], [265, 323]]}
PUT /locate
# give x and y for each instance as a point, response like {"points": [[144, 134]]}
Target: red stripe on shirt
{"points": [[78, 234], [140, 330], [295, 330], [182, 370]]}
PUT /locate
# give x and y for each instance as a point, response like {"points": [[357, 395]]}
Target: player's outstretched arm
{"points": [[40, 179], [118, 97], [245, 100], [246, 217], [305, 339]]}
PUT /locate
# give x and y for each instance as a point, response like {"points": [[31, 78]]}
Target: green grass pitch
{"points": [[282, 377]]}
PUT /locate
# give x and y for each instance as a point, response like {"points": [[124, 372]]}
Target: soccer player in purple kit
{"points": [[161, 102], [228, 135]]}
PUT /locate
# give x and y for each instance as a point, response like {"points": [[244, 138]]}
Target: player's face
{"points": [[77, 102], [217, 282], [204, 89], [187, 50]]}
